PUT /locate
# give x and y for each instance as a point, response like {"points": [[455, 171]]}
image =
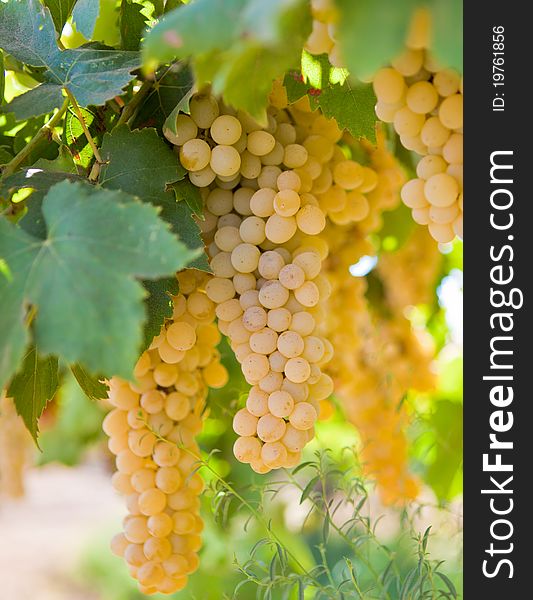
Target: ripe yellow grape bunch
{"points": [[322, 39], [424, 101], [16, 448], [263, 216], [409, 273], [152, 430]]}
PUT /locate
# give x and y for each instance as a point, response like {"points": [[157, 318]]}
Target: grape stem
{"points": [[133, 104], [98, 158], [44, 133]]}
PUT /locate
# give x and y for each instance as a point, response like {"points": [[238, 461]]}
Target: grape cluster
{"points": [[262, 224], [322, 39], [425, 104], [16, 448], [152, 430], [409, 273], [373, 347]]}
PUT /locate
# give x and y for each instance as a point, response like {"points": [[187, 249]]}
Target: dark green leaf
{"points": [[82, 278], [132, 24], [40, 182], [158, 305], [171, 90], [350, 104], [39, 101], [92, 75], [60, 11], [91, 385], [84, 15], [309, 488], [448, 582], [189, 233], [139, 162], [186, 191], [33, 387]]}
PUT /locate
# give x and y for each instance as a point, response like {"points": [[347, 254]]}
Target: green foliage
{"points": [[33, 387], [372, 32], [91, 385], [60, 11], [170, 92], [79, 269], [132, 24], [240, 45], [92, 75], [84, 15], [350, 104], [448, 32]]}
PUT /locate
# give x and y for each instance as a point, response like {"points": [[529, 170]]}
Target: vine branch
{"points": [[133, 104], [98, 158], [44, 132]]}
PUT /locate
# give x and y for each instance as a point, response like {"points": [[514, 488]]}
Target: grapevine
{"points": [[230, 270]]}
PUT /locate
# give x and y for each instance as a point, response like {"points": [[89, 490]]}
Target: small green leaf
{"points": [[309, 488], [60, 11], [98, 243], [132, 24], [158, 305], [75, 136], [91, 385], [33, 387], [186, 191], [170, 92], [351, 104], [189, 232]]}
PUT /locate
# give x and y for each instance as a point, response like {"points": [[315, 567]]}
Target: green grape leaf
{"points": [[33, 387], [81, 279], [92, 75], [372, 32], [75, 136], [60, 11], [186, 191], [91, 385], [252, 42], [63, 163], [196, 28], [190, 234], [132, 24], [84, 15], [171, 91], [39, 182], [138, 162], [350, 104], [158, 305], [447, 20], [36, 102]]}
